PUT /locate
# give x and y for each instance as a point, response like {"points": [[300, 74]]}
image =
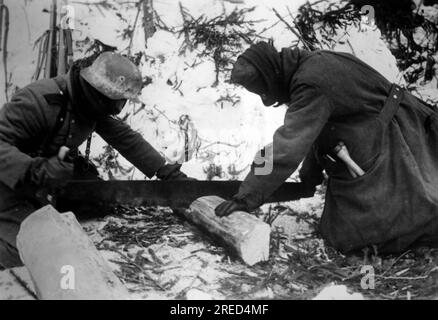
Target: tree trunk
{"points": [[247, 236]]}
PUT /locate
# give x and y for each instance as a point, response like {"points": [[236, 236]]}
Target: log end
{"points": [[245, 234], [255, 246]]}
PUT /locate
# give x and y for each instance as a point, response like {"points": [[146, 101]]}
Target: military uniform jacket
{"points": [[28, 122]]}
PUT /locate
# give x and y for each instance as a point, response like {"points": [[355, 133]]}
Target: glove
{"points": [[172, 172], [228, 207], [43, 169]]}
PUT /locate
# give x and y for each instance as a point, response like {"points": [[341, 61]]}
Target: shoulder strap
{"points": [[391, 104], [62, 100]]}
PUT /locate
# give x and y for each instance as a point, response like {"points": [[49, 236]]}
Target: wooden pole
{"points": [[62, 55], [4, 23], [48, 72], [244, 234], [63, 262]]}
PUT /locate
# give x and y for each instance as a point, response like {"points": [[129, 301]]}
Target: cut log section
{"points": [[63, 262], [247, 236]]}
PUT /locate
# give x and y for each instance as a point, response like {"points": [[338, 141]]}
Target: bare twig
{"points": [[395, 261], [292, 29], [27, 23], [403, 278], [142, 270]]}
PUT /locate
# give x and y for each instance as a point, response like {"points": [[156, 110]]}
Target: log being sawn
{"points": [[63, 262], [247, 236]]}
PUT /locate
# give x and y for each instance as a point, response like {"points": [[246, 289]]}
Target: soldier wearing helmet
{"points": [[60, 113]]}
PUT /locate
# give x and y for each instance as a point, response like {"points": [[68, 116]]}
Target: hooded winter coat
{"points": [[389, 133]]}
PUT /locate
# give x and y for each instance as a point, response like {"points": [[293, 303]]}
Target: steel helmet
{"points": [[114, 76]]}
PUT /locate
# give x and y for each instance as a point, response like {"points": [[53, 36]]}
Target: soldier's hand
{"points": [[228, 207], [57, 169], [43, 169]]}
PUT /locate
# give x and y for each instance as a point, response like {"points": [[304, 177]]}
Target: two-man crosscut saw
{"points": [[68, 195]]}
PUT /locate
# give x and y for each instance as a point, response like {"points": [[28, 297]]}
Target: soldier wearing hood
{"points": [[50, 114], [390, 134]]}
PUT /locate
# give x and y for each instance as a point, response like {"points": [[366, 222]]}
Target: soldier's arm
{"points": [[131, 145], [307, 114], [21, 122]]}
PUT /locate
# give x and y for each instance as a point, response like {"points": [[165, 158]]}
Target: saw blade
{"points": [[175, 194]]}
